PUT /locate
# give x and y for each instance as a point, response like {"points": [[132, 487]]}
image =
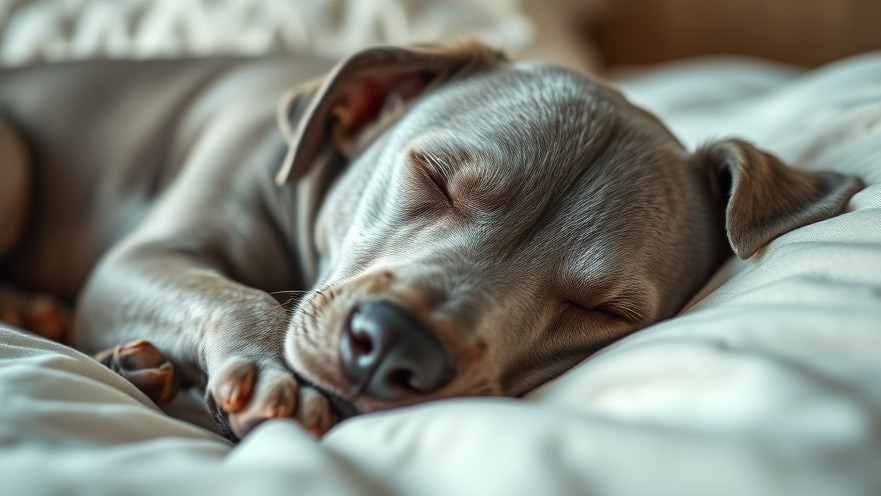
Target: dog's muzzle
{"points": [[389, 356]]}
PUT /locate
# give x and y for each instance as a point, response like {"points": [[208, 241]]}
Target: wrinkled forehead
{"points": [[519, 115], [521, 122], [538, 134]]}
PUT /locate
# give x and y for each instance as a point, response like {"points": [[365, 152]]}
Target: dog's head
{"points": [[493, 224]]}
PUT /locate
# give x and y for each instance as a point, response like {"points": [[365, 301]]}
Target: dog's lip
{"points": [[344, 408]]}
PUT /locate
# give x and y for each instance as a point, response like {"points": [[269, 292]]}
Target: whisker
{"points": [[289, 291], [289, 301]]}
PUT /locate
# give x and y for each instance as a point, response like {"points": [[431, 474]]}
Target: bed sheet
{"points": [[768, 383]]}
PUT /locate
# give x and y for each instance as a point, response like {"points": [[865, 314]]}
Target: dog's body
{"points": [[494, 223], [107, 138]]}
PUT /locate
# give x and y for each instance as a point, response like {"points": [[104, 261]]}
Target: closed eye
{"points": [[439, 184], [428, 166], [597, 310]]}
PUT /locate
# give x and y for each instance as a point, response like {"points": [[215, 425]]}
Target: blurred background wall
{"points": [[803, 32]]}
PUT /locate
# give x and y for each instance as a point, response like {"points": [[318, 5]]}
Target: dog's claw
{"points": [[235, 388], [145, 367]]}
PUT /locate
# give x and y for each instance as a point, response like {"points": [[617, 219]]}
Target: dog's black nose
{"points": [[389, 356]]}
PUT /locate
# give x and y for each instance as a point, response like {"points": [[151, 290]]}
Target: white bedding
{"points": [[770, 383]]}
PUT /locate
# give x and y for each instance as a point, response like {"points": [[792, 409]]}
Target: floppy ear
{"points": [[765, 197], [362, 90]]}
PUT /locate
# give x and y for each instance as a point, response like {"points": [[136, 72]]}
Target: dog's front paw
{"points": [[246, 393], [145, 367]]}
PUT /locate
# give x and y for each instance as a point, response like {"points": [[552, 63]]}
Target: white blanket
{"points": [[770, 383]]}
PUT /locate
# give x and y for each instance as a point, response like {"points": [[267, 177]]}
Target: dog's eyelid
{"points": [[428, 166], [607, 309], [572, 303], [440, 184]]}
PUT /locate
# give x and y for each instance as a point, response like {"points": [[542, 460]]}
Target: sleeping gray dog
{"points": [[467, 226]]}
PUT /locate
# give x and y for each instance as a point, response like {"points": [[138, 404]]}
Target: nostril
{"points": [[401, 378], [361, 343]]}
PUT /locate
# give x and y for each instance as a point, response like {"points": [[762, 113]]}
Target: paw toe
{"points": [[144, 366], [315, 413], [276, 398], [246, 393], [280, 401], [159, 384], [137, 355], [234, 389]]}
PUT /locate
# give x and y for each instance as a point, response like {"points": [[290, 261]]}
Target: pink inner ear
{"points": [[363, 100]]}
